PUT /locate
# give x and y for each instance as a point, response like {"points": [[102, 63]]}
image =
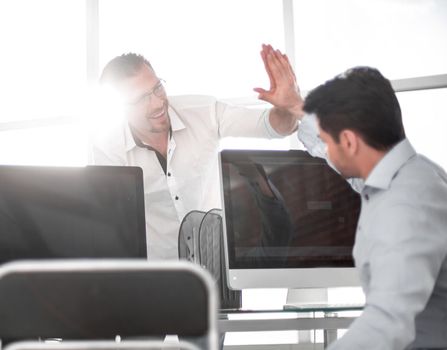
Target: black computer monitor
{"points": [[290, 221], [71, 212]]}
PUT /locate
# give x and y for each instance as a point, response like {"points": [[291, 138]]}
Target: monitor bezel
{"points": [[135, 172], [312, 277]]}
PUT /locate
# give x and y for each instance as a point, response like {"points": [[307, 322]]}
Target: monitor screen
{"points": [[68, 212], [286, 212]]}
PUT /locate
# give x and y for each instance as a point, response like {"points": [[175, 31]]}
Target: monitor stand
{"points": [[297, 298], [306, 296]]}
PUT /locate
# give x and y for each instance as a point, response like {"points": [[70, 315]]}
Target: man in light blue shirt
{"points": [[401, 241], [355, 122]]}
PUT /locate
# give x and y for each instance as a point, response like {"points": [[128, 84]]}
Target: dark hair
{"points": [[363, 100], [121, 67]]}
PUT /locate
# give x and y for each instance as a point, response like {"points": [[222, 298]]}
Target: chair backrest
{"points": [[100, 299], [101, 345], [201, 242]]}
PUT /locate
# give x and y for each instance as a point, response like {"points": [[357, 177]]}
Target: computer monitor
{"points": [[289, 221], [71, 212]]}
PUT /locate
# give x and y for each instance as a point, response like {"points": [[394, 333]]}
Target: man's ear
{"points": [[349, 141]]}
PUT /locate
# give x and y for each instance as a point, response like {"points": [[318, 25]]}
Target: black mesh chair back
{"points": [[201, 242]]}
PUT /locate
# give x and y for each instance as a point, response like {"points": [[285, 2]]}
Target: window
{"points": [[402, 38], [198, 46], [424, 117], [43, 81], [43, 58], [62, 144]]}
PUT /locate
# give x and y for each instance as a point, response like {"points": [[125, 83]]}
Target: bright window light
{"points": [[58, 145], [198, 46], [424, 117], [401, 38], [43, 70]]}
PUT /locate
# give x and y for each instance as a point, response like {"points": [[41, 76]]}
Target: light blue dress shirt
{"points": [[400, 251]]}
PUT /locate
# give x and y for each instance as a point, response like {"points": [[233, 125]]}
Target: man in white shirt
{"points": [[175, 140], [401, 241]]}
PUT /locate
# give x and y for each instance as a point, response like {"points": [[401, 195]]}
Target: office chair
{"points": [[201, 241], [101, 345], [100, 299]]}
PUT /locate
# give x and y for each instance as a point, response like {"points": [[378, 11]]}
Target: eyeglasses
{"points": [[158, 90]]}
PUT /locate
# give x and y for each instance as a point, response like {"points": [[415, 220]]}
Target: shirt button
{"points": [[169, 174], [176, 198], [367, 197]]}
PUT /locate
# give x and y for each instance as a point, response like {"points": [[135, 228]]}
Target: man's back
{"points": [[401, 249], [429, 183]]}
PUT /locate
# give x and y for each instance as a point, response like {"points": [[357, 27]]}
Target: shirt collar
{"points": [[176, 125], [176, 122], [129, 141], [387, 168]]}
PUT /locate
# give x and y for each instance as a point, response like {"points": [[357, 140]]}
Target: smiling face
{"points": [[146, 103]]}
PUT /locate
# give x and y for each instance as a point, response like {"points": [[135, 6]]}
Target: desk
{"points": [[328, 319]]}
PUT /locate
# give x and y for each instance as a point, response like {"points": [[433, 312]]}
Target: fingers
{"points": [[279, 66], [260, 90], [263, 94], [275, 65], [284, 64], [264, 53], [280, 73], [289, 65], [286, 71], [291, 72]]}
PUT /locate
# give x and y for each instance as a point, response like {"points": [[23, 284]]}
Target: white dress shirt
{"points": [[400, 252], [192, 178]]}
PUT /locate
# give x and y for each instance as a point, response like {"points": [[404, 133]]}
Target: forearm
{"points": [[285, 121]]}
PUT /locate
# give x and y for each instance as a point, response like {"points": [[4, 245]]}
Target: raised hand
{"points": [[284, 92]]}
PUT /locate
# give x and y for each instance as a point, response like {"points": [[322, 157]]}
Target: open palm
{"points": [[284, 92]]}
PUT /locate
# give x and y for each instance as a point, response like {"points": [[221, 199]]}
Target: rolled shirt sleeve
{"points": [[308, 135], [239, 121]]}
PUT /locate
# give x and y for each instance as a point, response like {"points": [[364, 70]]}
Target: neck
{"points": [[369, 162], [157, 140]]}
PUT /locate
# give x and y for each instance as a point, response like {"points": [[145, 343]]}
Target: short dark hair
{"points": [[363, 100], [121, 67]]}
